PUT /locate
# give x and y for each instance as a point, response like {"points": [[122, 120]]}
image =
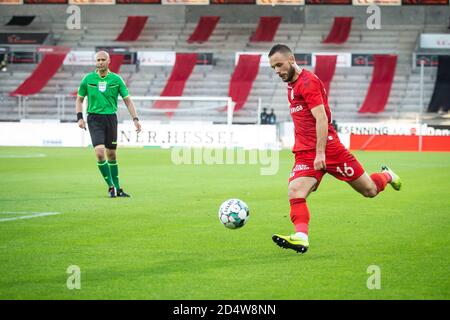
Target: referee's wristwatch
{"points": [[135, 119]]}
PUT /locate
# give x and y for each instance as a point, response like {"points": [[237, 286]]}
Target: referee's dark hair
{"points": [[282, 48]]}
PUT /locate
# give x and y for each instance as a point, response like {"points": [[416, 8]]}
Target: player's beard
{"points": [[290, 74]]}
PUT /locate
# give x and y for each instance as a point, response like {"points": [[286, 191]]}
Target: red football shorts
{"points": [[339, 162]]}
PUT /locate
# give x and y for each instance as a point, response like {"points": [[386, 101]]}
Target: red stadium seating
{"points": [[116, 62], [340, 30], [380, 85], [267, 28], [184, 64], [132, 28], [242, 79], [42, 74], [325, 67], [204, 29]]}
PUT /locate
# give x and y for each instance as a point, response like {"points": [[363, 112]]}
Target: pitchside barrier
{"points": [[356, 136], [187, 122], [175, 134], [199, 130], [382, 136]]}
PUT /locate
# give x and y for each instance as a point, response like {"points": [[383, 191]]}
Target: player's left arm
{"points": [[123, 91], [320, 115], [132, 110], [312, 92]]}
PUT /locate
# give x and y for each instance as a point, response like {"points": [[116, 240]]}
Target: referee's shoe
{"points": [[121, 193], [112, 192]]}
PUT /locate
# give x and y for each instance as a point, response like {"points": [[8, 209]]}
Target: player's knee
{"points": [[370, 192], [296, 192], [100, 153], [111, 155]]}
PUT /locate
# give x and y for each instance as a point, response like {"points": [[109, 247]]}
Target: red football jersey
{"points": [[304, 94]]}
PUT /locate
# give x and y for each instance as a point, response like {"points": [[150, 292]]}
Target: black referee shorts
{"points": [[103, 129]]}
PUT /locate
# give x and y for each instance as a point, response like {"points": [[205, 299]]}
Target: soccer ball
{"points": [[233, 213]]}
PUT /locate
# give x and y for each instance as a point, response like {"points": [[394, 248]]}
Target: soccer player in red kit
{"points": [[317, 148]]}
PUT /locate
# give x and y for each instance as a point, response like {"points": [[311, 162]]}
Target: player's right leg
{"points": [[104, 168], [114, 169], [96, 125], [111, 146], [344, 166], [298, 191], [365, 186], [100, 152], [371, 186]]}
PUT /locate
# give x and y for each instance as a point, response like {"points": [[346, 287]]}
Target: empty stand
{"points": [[340, 30], [325, 68], [380, 85], [20, 20], [267, 28], [440, 101], [50, 63], [346, 93], [184, 64], [132, 28], [116, 62], [242, 79], [204, 29]]}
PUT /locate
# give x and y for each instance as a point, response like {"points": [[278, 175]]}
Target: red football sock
{"points": [[381, 180], [299, 215]]}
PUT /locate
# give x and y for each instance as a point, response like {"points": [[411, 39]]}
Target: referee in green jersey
{"points": [[102, 87]]}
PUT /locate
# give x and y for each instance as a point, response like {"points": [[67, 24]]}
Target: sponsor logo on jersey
{"points": [[102, 86], [300, 167], [296, 109]]}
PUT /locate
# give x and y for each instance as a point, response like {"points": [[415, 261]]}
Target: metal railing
{"points": [[62, 107]]}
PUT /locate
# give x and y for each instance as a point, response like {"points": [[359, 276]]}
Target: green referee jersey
{"points": [[103, 92]]}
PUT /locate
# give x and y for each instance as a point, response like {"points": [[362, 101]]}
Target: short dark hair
{"points": [[282, 48]]}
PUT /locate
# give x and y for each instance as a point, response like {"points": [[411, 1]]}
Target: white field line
{"points": [[27, 215], [25, 156]]}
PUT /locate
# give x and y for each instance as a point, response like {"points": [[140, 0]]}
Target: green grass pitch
{"points": [[166, 242]]}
